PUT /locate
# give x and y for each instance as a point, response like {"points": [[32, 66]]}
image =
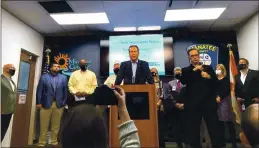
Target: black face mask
{"points": [[11, 72], [153, 74], [242, 66], [116, 70], [83, 67]]}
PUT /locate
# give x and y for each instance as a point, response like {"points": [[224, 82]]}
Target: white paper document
{"points": [[79, 98]]}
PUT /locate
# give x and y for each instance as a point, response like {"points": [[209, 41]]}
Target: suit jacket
{"points": [[8, 96], [250, 89], [200, 92], [45, 92], [178, 95], [143, 73]]}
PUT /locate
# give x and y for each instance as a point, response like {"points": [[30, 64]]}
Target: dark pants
{"points": [[193, 119], [161, 129], [231, 129], [179, 128], [5, 121]]}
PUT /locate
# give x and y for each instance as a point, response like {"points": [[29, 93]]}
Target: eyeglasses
{"points": [[195, 55]]}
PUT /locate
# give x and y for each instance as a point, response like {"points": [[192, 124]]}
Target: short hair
{"points": [[133, 46], [83, 126], [222, 67], [247, 62], [53, 63], [192, 49]]}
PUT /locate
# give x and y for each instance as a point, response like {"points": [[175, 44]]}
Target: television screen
{"points": [[155, 49]]}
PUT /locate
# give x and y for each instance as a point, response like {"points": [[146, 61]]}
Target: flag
{"points": [[235, 105], [232, 73]]}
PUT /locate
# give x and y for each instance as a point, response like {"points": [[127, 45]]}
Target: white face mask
{"points": [[218, 72]]}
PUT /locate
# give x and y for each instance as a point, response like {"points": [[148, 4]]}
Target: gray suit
{"points": [[8, 103], [8, 96]]}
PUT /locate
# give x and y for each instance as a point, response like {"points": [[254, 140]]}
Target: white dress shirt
{"points": [[243, 76], [134, 69]]}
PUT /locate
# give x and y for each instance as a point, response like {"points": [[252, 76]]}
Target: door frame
{"points": [[31, 94]]}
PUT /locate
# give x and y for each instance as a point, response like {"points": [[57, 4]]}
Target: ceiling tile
{"points": [[182, 4], [38, 18], [74, 28], [204, 24], [180, 24], [213, 4], [86, 6], [226, 24], [239, 11]]}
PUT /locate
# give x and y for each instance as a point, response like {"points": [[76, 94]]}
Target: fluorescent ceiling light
{"points": [[193, 14], [80, 18], [143, 28], [125, 29]]}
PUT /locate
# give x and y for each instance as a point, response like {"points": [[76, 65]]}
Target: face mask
{"points": [[242, 66], [153, 74], [218, 72], [11, 72], [83, 67], [116, 70]]}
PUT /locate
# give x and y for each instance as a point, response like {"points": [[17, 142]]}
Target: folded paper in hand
{"points": [[79, 98]]}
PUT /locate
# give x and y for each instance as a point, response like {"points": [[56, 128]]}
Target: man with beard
{"points": [[8, 97], [111, 79], [82, 84], [200, 81], [51, 98]]}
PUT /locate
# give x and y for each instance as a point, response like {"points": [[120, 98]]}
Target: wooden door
{"points": [[21, 120]]}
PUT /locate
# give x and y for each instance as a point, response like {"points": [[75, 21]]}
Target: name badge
{"points": [[79, 98], [174, 88]]}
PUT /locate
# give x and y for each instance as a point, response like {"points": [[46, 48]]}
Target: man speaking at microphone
{"points": [[134, 71], [200, 81]]}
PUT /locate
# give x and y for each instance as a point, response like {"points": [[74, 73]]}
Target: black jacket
{"points": [[250, 89], [200, 92], [143, 73]]}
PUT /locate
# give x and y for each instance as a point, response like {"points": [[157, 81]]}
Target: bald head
{"points": [[83, 64], [9, 70], [250, 122]]}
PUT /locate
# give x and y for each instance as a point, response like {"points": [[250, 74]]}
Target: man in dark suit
{"points": [[247, 84], [51, 98], [134, 71], [8, 97], [177, 90], [200, 101]]}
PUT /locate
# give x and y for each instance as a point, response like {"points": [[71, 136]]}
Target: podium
{"points": [[141, 104]]}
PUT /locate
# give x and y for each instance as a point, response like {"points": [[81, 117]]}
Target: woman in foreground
{"points": [[84, 127]]}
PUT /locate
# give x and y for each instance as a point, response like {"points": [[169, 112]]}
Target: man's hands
{"points": [[179, 106], [256, 100], [81, 94], [198, 67], [218, 99], [39, 106], [240, 100], [205, 75]]}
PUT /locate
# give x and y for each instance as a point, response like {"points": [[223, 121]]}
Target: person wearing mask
{"points": [[8, 97], [200, 81], [84, 126], [247, 84], [160, 108], [82, 84], [176, 90], [224, 103], [111, 79], [134, 71], [51, 98]]}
